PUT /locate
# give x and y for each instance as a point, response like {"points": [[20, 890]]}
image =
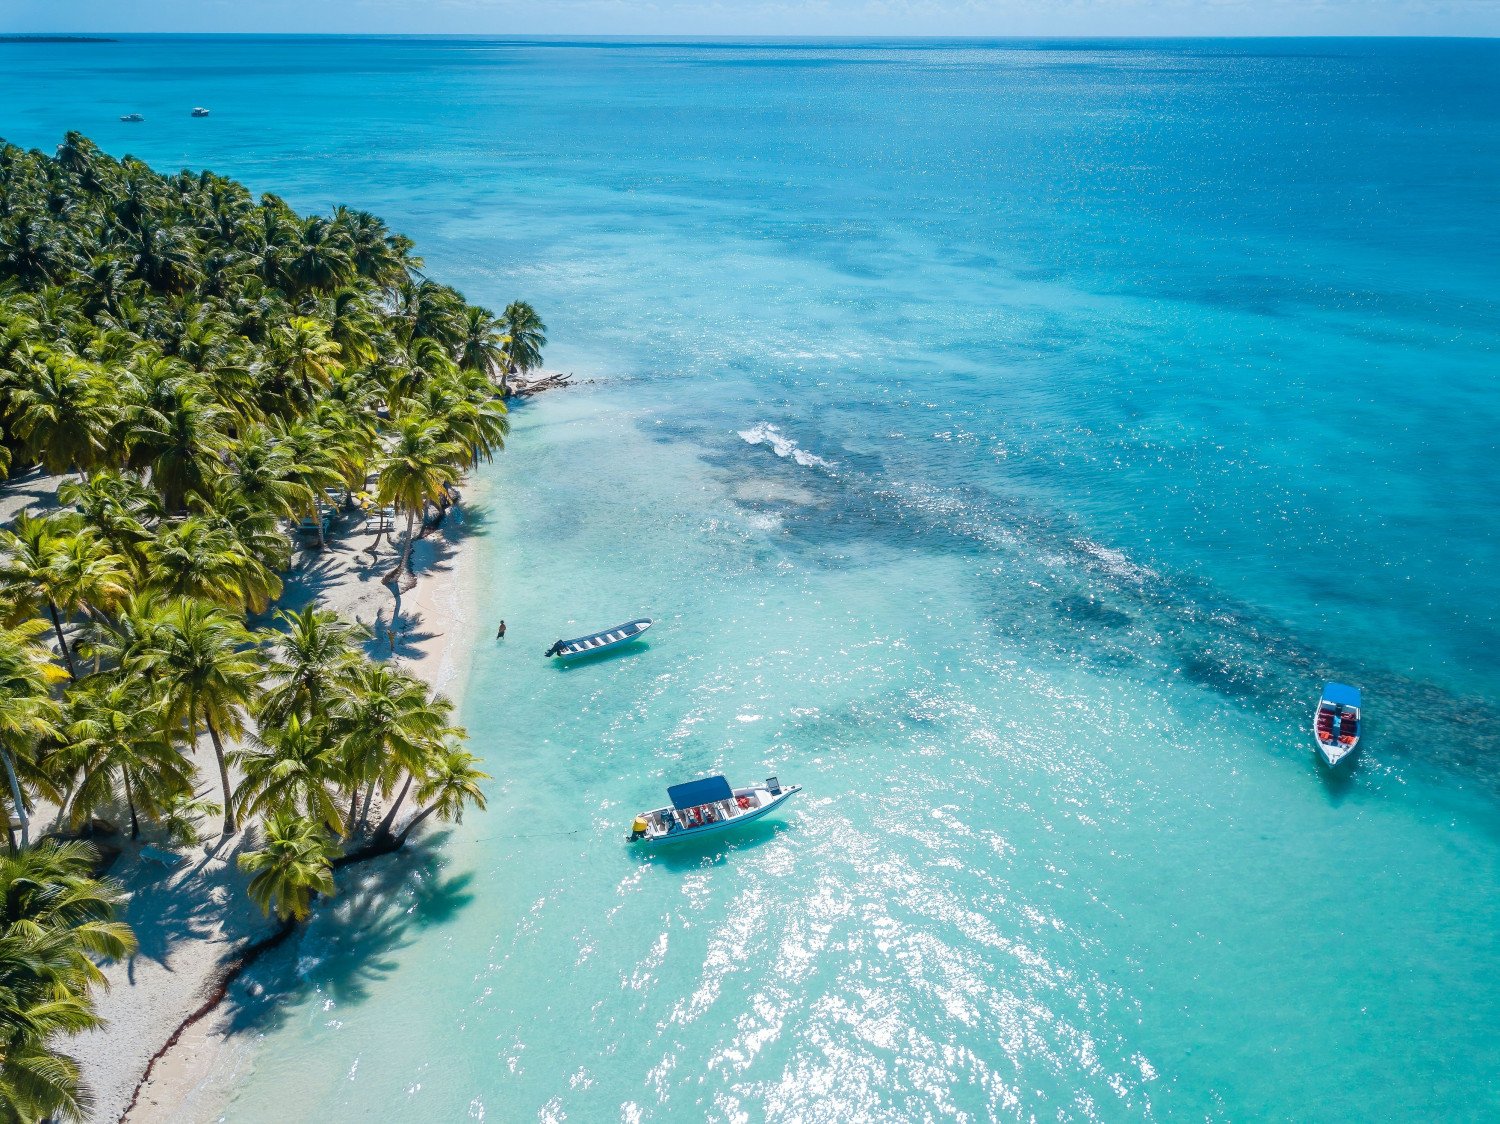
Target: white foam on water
{"points": [[783, 446]]}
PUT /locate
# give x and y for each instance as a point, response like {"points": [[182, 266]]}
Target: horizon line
{"points": [[106, 36]]}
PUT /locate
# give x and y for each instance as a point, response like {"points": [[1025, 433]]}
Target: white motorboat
{"points": [[1336, 722], [707, 807], [597, 642]]}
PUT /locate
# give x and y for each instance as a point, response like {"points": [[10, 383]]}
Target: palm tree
{"points": [[294, 864], [385, 724], [314, 465], [417, 471], [29, 715], [427, 310], [309, 357], [319, 258], [203, 661], [288, 769], [427, 364], [415, 761], [315, 654], [116, 508], [482, 348], [37, 1084], [34, 250], [51, 887], [91, 577], [372, 250], [60, 410], [116, 731], [165, 257], [351, 325], [31, 565], [346, 426], [470, 415], [528, 335], [198, 558], [450, 783], [178, 433], [266, 474], [56, 921]]}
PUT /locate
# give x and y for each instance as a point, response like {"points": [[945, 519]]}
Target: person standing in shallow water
{"points": [[500, 632]]}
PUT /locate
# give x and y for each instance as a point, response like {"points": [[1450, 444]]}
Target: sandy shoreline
{"points": [[193, 920]]}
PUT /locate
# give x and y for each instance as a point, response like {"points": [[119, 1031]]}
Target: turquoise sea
{"points": [[1008, 438]]}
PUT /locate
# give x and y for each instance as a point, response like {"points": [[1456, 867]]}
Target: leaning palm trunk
{"points": [[317, 518], [404, 566], [229, 825], [135, 824], [364, 808], [20, 804], [412, 823], [390, 816], [62, 641]]}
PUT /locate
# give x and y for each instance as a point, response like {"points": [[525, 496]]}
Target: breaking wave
{"points": [[783, 446]]}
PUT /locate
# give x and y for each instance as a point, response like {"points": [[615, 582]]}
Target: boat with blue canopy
{"points": [[708, 806], [1336, 723], [597, 642]]}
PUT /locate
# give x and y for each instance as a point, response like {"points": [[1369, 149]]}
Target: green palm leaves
{"points": [[210, 367], [116, 737], [56, 921], [528, 335], [295, 863], [59, 405], [201, 657], [418, 470]]}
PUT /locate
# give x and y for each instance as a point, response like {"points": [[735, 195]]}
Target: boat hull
{"points": [[682, 835], [1333, 756], [574, 649]]}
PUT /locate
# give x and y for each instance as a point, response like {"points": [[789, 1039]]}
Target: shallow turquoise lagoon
{"points": [[1008, 439]]}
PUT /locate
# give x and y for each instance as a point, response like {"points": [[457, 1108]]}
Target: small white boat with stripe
{"points": [[707, 807], [597, 642]]}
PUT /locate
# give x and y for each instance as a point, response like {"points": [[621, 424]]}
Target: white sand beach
{"points": [[194, 920]]}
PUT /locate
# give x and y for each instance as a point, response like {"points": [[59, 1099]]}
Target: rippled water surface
{"points": [[1008, 439]]}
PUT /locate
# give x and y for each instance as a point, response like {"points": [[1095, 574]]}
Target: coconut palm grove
{"points": [[208, 374]]}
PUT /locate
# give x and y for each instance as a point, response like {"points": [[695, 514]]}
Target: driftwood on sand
{"points": [[525, 386]]}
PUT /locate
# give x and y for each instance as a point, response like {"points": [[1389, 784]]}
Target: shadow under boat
{"points": [[692, 854], [1338, 780]]}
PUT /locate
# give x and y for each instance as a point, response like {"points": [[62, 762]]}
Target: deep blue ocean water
{"points": [[1009, 438]]}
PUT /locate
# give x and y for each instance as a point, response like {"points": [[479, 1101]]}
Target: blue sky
{"points": [[766, 17]]}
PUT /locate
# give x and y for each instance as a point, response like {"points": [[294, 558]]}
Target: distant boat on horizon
{"points": [[1336, 722], [132, 117], [708, 806], [199, 111]]}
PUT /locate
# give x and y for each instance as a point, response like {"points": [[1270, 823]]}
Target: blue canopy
{"points": [[1341, 694], [706, 791]]}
